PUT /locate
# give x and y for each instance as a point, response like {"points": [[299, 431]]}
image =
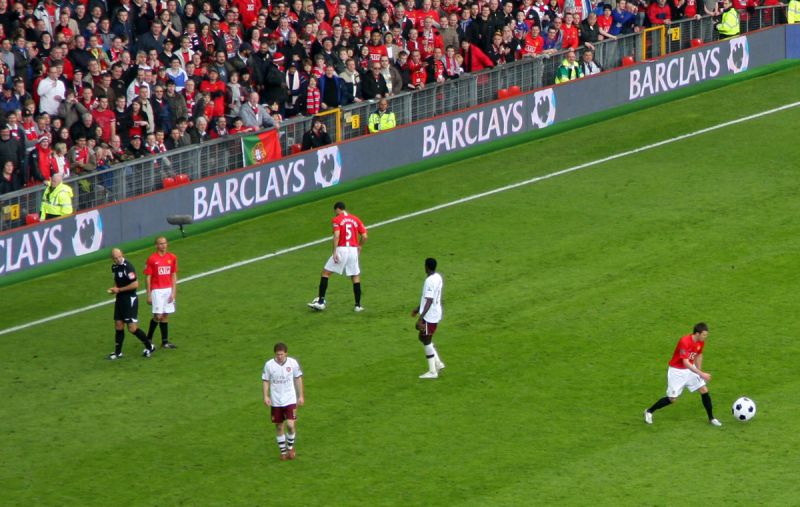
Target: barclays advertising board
{"points": [[133, 219]]}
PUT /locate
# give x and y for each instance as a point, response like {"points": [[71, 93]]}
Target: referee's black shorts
{"points": [[126, 307]]}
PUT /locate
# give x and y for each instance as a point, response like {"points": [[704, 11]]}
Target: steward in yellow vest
{"points": [[382, 119], [729, 25], [57, 199], [794, 11], [569, 70]]}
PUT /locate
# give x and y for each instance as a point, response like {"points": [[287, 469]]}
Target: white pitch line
{"points": [[428, 210]]}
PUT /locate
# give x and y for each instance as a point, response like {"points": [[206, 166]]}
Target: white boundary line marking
{"points": [[427, 210]]}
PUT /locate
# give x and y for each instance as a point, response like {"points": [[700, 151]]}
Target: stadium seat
{"points": [[514, 90], [697, 43], [627, 60], [31, 218], [296, 148], [168, 182], [502, 93], [181, 179]]}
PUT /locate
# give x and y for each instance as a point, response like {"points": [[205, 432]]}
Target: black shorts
{"points": [[126, 307]]}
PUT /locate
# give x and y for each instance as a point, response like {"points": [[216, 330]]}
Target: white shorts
{"points": [[678, 378], [160, 304], [348, 261]]}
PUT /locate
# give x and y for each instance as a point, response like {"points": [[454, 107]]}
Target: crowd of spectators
{"points": [[90, 83]]}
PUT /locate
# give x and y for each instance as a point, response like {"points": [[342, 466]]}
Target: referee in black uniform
{"points": [[126, 307]]}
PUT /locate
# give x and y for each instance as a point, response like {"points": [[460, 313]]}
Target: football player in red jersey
{"points": [[685, 371], [349, 234], [162, 278]]}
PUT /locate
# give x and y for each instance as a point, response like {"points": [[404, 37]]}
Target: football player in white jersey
{"points": [[429, 313], [283, 392]]}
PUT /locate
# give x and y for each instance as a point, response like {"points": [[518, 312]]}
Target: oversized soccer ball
{"points": [[744, 409]]}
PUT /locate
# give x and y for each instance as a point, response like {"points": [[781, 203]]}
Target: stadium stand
{"points": [[145, 95]]}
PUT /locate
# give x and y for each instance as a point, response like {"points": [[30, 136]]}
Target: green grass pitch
{"points": [[563, 302]]}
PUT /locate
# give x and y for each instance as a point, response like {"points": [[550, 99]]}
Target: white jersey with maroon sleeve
{"points": [[432, 289], [281, 381]]}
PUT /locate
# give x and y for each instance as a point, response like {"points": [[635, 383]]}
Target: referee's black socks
{"points": [[143, 337], [119, 337], [151, 331]]}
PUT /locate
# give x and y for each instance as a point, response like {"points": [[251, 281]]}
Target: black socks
{"points": [[706, 398], [119, 337], [323, 288], [164, 328], [663, 402]]}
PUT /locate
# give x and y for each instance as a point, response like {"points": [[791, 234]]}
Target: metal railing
{"points": [[144, 175]]}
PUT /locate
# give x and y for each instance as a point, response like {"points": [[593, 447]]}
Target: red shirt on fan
{"points": [[248, 10], [376, 52], [533, 45], [104, 120], [570, 37], [349, 227], [690, 10], [161, 268], [687, 348]]}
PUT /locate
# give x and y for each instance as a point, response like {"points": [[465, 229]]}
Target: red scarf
{"points": [[313, 101]]}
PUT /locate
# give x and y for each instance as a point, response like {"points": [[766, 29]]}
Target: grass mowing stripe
{"points": [[432, 209]]}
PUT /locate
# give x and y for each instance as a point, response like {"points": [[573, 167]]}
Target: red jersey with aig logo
{"points": [[687, 349], [160, 268], [349, 227]]}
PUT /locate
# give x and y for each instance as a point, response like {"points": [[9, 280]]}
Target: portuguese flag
{"points": [[260, 148]]}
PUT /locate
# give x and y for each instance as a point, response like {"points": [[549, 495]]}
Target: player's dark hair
{"points": [[430, 264], [700, 327], [280, 346], [339, 205]]}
